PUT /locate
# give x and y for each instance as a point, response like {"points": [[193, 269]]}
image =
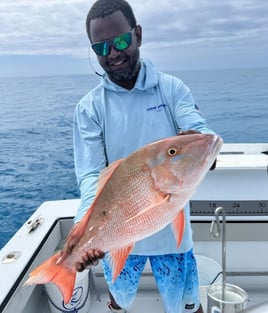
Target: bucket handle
{"points": [[215, 278]]}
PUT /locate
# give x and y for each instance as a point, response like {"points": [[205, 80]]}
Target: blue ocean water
{"points": [[36, 154]]}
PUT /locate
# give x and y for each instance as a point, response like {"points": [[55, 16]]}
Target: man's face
{"points": [[119, 65]]}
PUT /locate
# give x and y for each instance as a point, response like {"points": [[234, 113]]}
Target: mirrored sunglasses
{"points": [[120, 43]]}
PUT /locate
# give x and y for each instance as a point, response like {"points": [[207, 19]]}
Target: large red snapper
{"points": [[137, 196]]}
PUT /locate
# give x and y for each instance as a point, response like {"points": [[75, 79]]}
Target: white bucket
{"points": [[80, 300], [209, 271]]}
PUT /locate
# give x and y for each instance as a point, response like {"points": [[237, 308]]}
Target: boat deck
{"points": [[239, 183]]}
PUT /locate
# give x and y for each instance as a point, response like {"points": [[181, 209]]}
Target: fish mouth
{"points": [[214, 148], [210, 144], [216, 145]]}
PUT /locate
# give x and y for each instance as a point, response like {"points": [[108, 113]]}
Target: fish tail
{"points": [[54, 272]]}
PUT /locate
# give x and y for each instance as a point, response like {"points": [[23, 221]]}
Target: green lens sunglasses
{"points": [[120, 42]]}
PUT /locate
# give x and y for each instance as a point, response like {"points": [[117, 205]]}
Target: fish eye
{"points": [[172, 151]]}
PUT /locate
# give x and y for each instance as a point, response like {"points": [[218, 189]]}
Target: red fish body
{"points": [[137, 196]]}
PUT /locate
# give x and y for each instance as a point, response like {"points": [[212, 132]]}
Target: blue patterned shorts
{"points": [[175, 275]]}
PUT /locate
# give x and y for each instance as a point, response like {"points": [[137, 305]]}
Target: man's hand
{"points": [[189, 132], [89, 258]]}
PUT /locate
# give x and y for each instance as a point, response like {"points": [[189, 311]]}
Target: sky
{"points": [[48, 37]]}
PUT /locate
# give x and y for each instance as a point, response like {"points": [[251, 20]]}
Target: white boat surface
{"points": [[239, 184]]}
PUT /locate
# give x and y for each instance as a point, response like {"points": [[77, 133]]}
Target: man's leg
{"points": [[177, 281], [124, 289], [192, 284], [113, 306]]}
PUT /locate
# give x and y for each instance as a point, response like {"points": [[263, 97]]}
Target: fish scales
{"points": [[137, 196]]}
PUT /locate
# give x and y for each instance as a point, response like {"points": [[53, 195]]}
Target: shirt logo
{"points": [[157, 108]]}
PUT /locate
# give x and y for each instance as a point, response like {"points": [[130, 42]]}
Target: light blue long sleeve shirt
{"points": [[111, 122]]}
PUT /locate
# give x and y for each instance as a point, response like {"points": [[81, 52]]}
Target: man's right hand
{"points": [[89, 258]]}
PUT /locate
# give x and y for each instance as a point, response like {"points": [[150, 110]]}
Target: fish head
{"points": [[179, 163]]}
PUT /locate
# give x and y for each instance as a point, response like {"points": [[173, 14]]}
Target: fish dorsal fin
{"points": [[78, 230], [178, 226], [106, 175], [76, 233], [118, 259]]}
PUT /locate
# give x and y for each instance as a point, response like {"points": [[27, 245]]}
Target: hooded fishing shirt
{"points": [[111, 122]]}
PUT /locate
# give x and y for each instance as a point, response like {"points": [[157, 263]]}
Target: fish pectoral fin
{"points": [[150, 207], [178, 226], [58, 274], [118, 259]]}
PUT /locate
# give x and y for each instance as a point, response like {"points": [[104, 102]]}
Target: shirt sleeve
{"points": [[186, 111], [89, 154]]}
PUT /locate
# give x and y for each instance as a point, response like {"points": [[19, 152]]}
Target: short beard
{"points": [[127, 74]]}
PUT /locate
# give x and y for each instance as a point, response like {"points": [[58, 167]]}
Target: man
{"points": [[132, 106]]}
